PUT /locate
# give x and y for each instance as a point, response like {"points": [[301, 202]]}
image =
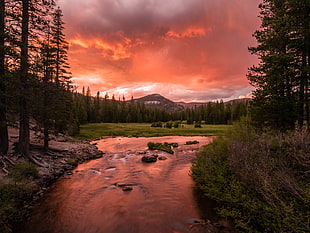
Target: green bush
{"points": [[169, 124], [197, 125], [72, 162], [12, 211], [25, 171], [191, 142], [173, 144], [260, 180], [164, 147], [176, 124], [157, 124], [151, 146]]}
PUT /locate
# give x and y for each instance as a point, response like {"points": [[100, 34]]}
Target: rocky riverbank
{"points": [[64, 154]]}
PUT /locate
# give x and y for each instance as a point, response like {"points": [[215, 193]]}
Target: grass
{"points": [[96, 130]]}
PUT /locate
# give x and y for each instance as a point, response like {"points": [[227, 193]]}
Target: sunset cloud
{"points": [[182, 49]]}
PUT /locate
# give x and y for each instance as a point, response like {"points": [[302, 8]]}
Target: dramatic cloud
{"points": [[182, 49]]}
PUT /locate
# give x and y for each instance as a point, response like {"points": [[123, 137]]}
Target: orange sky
{"points": [[186, 50]]}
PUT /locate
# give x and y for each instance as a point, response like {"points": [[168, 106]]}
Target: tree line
{"points": [[34, 76], [97, 109]]}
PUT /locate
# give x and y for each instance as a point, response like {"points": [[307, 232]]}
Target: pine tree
{"points": [[24, 133], [281, 77], [55, 109], [61, 46], [3, 120], [299, 15]]}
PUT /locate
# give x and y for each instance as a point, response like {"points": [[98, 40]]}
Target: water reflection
{"points": [[93, 199]]}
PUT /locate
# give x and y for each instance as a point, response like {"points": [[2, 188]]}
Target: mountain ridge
{"points": [[159, 101]]}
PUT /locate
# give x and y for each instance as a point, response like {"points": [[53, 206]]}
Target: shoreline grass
{"points": [[96, 130]]}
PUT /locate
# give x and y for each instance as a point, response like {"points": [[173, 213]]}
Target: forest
{"points": [[89, 109]]}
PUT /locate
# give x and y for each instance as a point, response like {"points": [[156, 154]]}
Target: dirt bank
{"points": [[65, 154]]}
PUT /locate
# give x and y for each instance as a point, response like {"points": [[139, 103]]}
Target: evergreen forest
{"points": [[89, 109]]}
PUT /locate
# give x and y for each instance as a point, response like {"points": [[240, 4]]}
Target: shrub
{"points": [[25, 171], [173, 144], [176, 124], [164, 147], [191, 142], [197, 125], [73, 162], [151, 145], [260, 179], [157, 124], [12, 211], [169, 124]]}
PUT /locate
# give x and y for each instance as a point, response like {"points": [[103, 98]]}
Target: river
{"points": [[92, 199]]}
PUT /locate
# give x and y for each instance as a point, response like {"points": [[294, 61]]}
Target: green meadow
{"points": [[96, 130]]}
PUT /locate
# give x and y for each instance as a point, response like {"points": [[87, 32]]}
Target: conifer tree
{"points": [[281, 78], [61, 46], [3, 118], [55, 109], [24, 133]]}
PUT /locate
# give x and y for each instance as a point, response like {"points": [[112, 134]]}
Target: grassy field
{"points": [[96, 130]]}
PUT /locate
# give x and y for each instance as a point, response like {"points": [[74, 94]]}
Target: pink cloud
{"points": [[198, 45]]}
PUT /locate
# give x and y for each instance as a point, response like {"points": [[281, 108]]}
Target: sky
{"points": [[185, 50]]}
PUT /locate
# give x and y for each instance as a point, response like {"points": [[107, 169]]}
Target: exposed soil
{"points": [[65, 154]]}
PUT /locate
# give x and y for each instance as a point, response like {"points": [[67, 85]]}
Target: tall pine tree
{"points": [[3, 118], [281, 76]]}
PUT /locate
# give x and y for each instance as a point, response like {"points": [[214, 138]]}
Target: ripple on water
{"points": [[109, 169], [161, 199]]}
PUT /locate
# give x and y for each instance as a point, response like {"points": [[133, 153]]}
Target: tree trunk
{"points": [[24, 134], [46, 139], [4, 142], [307, 59]]}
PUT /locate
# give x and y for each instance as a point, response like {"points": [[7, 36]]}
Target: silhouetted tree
{"points": [[282, 76], [3, 118]]}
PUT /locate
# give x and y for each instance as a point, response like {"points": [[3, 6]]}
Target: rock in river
{"points": [[127, 188], [149, 159]]}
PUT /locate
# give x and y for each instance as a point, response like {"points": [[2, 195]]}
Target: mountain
{"points": [[158, 101]]}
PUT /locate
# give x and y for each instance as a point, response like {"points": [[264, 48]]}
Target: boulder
{"points": [[141, 152], [149, 159], [127, 188]]}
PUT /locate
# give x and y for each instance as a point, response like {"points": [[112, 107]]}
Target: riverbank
{"points": [[22, 183], [260, 180]]}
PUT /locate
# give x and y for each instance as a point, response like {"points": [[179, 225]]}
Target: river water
{"points": [[92, 199]]}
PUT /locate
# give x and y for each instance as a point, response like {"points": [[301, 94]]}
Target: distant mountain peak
{"points": [[159, 101]]}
